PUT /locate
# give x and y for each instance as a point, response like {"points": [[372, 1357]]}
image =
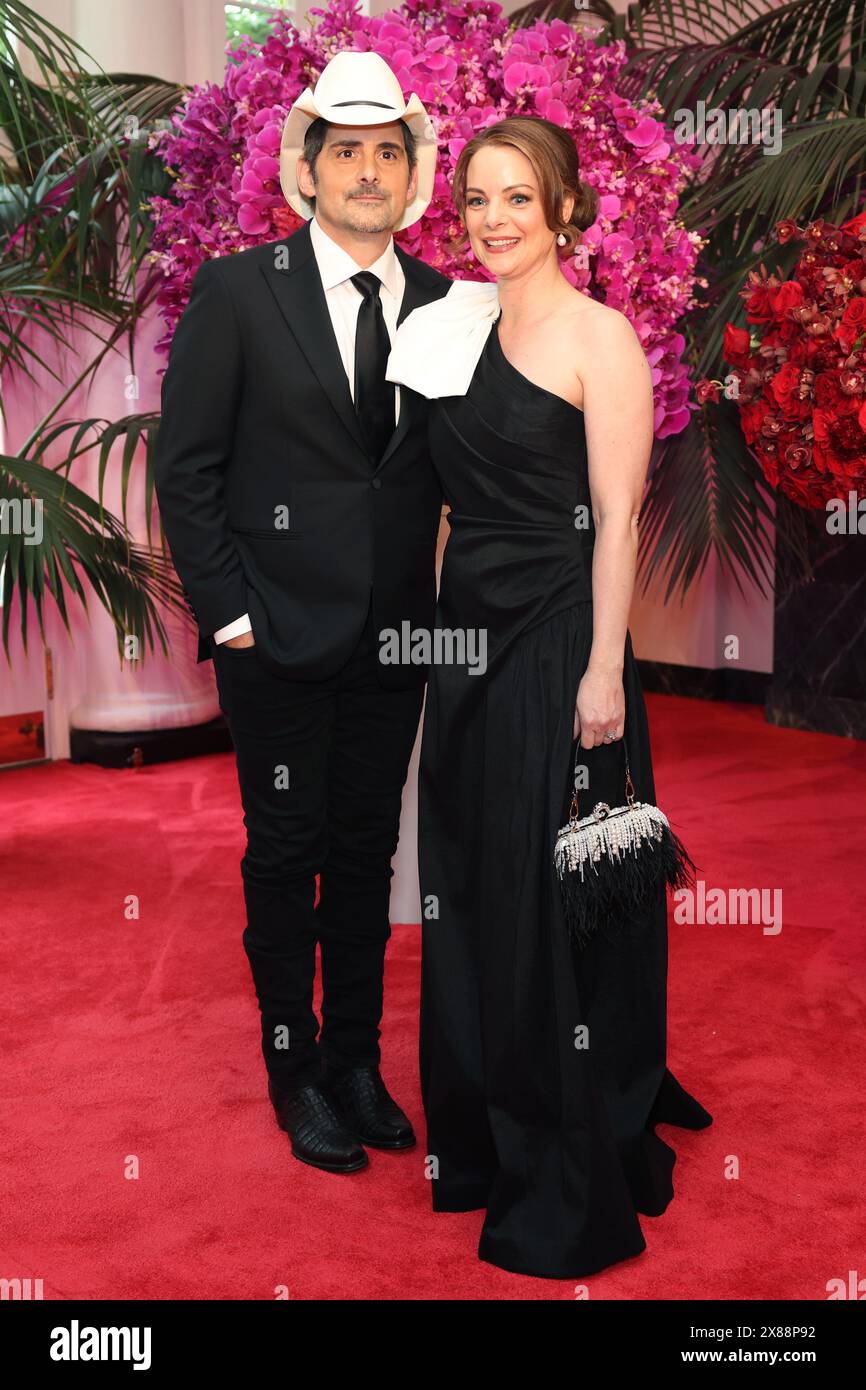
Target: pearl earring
{"points": [[561, 239]]}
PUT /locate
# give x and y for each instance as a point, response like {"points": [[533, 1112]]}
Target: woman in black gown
{"points": [[543, 1069]]}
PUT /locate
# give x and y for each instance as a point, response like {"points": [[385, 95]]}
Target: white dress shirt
{"points": [[336, 268]]}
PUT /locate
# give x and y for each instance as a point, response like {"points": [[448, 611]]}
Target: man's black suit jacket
{"points": [[258, 429]]}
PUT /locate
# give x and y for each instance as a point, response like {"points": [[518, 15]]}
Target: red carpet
{"points": [[136, 1041]]}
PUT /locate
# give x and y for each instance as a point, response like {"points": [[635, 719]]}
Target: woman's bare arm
{"points": [[618, 416]]}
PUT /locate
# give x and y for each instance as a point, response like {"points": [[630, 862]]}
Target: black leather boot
{"points": [[366, 1107], [318, 1134]]}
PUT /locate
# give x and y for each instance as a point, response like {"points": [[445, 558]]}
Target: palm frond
{"points": [[81, 547], [33, 112], [648, 23], [79, 175], [820, 165], [76, 180], [706, 495], [659, 23], [97, 433], [804, 32]]}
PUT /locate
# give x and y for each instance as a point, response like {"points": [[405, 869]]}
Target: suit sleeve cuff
{"points": [[234, 629]]}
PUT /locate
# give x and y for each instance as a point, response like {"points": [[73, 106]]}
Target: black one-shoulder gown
{"points": [[543, 1069]]}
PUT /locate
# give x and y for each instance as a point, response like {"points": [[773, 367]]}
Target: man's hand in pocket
{"points": [[246, 639]]}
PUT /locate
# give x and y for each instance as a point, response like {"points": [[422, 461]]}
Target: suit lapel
{"points": [[301, 300], [416, 291]]}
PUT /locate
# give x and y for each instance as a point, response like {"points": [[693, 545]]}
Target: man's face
{"points": [[362, 181]]}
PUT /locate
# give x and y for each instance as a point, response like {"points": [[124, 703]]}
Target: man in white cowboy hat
{"points": [[302, 511]]}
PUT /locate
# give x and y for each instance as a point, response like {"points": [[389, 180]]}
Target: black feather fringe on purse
{"points": [[612, 863]]}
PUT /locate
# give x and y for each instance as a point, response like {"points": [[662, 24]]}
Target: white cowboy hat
{"points": [[357, 89]]}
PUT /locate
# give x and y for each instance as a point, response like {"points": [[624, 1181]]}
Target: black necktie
{"points": [[374, 396]]}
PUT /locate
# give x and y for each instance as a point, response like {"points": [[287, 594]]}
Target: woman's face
{"points": [[504, 213]]}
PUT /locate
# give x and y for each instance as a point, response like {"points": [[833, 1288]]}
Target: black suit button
{"points": [[376, 483]]}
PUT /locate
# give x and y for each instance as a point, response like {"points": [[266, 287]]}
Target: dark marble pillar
{"points": [[819, 658]]}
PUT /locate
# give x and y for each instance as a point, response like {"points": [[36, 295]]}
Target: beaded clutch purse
{"points": [[611, 863]]}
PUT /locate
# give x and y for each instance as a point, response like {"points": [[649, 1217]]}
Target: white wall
{"points": [[177, 40], [696, 630]]}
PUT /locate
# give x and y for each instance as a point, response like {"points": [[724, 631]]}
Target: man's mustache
{"points": [[367, 193]]}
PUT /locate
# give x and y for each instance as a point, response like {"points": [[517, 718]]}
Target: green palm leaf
{"points": [[650, 22], [76, 179], [82, 547], [131, 431], [820, 166], [706, 495]]}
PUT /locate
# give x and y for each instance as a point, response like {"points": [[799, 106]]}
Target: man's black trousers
{"points": [[321, 766]]}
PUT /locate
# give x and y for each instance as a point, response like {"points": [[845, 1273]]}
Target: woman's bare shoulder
{"points": [[592, 324], [602, 347], [602, 344]]}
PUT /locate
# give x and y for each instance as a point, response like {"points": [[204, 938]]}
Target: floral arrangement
{"points": [[470, 70], [799, 374]]}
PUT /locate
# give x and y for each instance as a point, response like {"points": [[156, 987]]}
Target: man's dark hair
{"points": [[314, 141]]}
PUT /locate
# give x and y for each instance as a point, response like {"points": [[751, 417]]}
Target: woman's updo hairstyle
{"points": [[551, 152]]}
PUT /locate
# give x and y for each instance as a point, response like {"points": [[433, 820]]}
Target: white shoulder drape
{"points": [[436, 347]]}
